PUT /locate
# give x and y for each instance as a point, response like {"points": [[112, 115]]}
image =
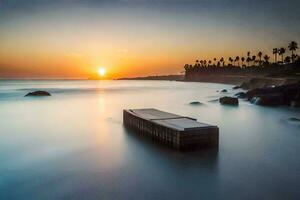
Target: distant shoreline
{"points": [[223, 79], [161, 77], [217, 78]]}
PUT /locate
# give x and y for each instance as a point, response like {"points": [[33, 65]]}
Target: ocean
{"points": [[73, 145]]}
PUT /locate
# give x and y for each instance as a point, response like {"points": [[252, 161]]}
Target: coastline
{"points": [[256, 81], [265, 91]]}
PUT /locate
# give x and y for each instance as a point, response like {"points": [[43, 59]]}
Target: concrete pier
{"points": [[177, 131]]}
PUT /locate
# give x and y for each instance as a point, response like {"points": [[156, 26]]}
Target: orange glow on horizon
{"points": [[126, 41]]}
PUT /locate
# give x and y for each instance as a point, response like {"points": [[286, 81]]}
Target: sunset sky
{"points": [[73, 38]]}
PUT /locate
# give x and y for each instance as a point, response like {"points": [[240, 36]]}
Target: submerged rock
{"points": [[295, 103], [268, 100], [294, 119], [196, 103], [224, 91], [229, 101], [245, 85], [241, 95], [236, 87], [38, 93]]}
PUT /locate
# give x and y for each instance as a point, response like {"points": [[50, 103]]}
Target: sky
{"points": [[74, 38]]}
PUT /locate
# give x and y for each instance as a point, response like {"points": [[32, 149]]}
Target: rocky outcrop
{"points": [[241, 95], [294, 119], [264, 82], [268, 99], [236, 87], [213, 78], [295, 103], [229, 101], [38, 94], [274, 96]]}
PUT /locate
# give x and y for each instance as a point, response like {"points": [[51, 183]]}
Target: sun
{"points": [[101, 71]]}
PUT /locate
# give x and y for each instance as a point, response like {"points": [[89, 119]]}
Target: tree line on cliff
{"points": [[250, 63]]}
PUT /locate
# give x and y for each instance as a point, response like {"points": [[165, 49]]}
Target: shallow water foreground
{"points": [[72, 145]]}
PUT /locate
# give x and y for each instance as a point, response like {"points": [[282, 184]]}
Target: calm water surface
{"points": [[73, 145]]}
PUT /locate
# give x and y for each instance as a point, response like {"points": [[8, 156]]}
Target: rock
{"points": [[196, 103], [224, 91], [38, 93], [241, 95], [275, 99], [294, 119], [236, 87], [295, 103], [229, 101], [261, 82], [258, 91], [281, 95], [245, 86]]}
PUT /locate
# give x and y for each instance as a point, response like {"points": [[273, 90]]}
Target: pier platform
{"points": [[177, 131]]}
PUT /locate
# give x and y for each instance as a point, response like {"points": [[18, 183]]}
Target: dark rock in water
{"points": [[196, 103], [245, 85], [229, 101], [268, 99], [241, 95], [236, 87], [294, 119], [295, 103], [38, 94], [224, 91], [281, 95]]}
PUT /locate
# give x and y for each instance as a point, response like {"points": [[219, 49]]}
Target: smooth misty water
{"points": [[73, 145]]}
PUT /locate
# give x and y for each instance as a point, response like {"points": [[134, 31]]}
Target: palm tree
{"points": [[275, 52], [248, 60], [201, 63], [293, 46], [222, 61], [282, 52], [243, 60], [197, 63], [186, 67], [215, 59], [253, 59], [259, 56], [230, 60], [209, 62], [287, 59], [267, 58], [237, 59]]}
